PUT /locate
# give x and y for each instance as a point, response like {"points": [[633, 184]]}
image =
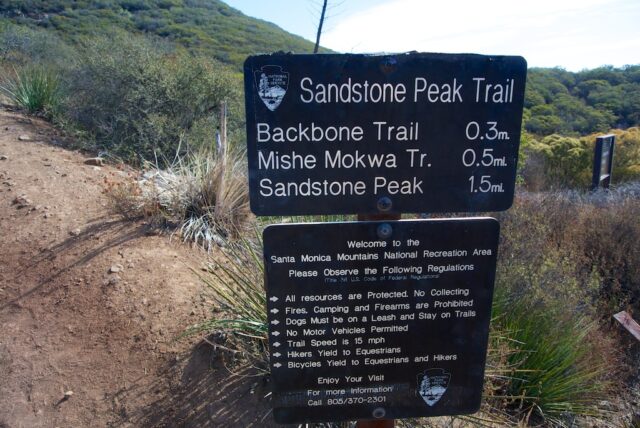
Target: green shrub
{"points": [[566, 162], [36, 89], [140, 102], [21, 46]]}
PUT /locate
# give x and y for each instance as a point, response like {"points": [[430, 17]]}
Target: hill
{"points": [[561, 102], [208, 27]]}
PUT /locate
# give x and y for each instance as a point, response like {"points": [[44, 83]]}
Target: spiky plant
{"points": [[236, 280], [36, 89]]}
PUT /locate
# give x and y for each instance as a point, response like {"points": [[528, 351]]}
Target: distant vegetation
{"points": [[135, 79], [562, 102], [206, 40], [206, 27], [565, 112], [560, 161], [144, 100]]}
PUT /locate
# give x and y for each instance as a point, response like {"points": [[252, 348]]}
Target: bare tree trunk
{"points": [[324, 9]]}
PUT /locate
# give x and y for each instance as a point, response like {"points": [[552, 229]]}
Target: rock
{"points": [[46, 215], [21, 201], [75, 232], [115, 268], [145, 301], [3, 157], [98, 161], [68, 394], [24, 137]]}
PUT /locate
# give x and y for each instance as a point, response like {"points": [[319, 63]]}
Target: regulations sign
{"points": [[339, 134], [386, 319]]}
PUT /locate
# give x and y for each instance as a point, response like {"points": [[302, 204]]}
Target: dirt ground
{"points": [[91, 305]]}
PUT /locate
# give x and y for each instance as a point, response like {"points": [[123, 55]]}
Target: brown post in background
{"points": [[603, 161]]}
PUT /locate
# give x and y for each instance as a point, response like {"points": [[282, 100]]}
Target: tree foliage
{"points": [[561, 102]]}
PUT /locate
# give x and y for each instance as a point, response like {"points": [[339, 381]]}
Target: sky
{"points": [[572, 34]]}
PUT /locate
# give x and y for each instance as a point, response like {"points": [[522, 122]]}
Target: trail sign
{"points": [[383, 320], [339, 134]]}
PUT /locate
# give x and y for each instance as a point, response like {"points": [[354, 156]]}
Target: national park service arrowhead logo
{"points": [[432, 384], [272, 83]]}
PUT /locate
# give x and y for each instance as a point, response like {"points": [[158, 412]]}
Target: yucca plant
{"points": [[218, 200], [549, 368], [35, 89], [206, 196], [236, 279]]}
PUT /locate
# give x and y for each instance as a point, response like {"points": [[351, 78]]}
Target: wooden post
{"points": [[378, 217], [382, 423], [222, 131], [377, 423], [629, 323]]}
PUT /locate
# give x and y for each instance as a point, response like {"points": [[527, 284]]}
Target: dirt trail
{"points": [[69, 322]]}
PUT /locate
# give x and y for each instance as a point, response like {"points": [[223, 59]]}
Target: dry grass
{"points": [[585, 241], [202, 197], [568, 261]]}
